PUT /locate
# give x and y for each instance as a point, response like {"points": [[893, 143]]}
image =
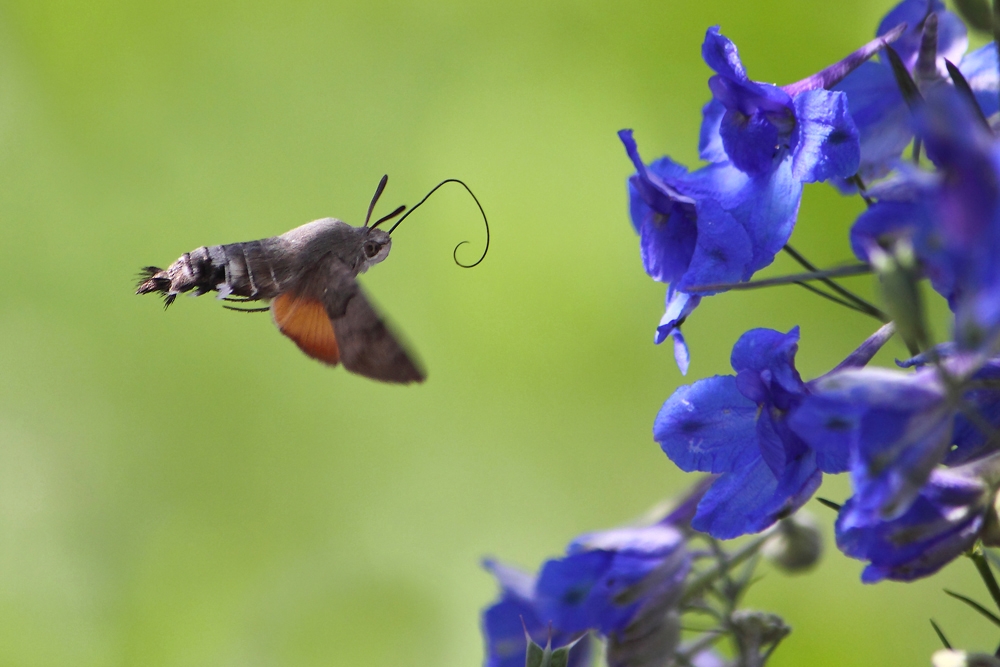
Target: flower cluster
{"points": [[909, 122], [921, 445], [630, 586]]}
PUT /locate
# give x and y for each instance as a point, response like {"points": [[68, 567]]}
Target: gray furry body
{"points": [[298, 260]]}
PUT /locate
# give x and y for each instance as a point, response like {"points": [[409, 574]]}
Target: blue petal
{"points": [[566, 588], [952, 35], [656, 541], [664, 219], [666, 245], [968, 440], [980, 68], [721, 55], [752, 498], [942, 523], [751, 142], [650, 185], [900, 428], [769, 205], [771, 445], [939, 351], [710, 146], [828, 142], [513, 581], [721, 182], [681, 353], [885, 222], [723, 252], [502, 622], [765, 349], [708, 426], [504, 634], [880, 115], [828, 426], [679, 305], [602, 581]]}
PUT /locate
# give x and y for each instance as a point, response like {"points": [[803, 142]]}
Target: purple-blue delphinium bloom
{"points": [[736, 426], [951, 218], [505, 621], [624, 583], [932, 35], [945, 519], [732, 426], [722, 223], [898, 427], [801, 133], [606, 578], [895, 427]]}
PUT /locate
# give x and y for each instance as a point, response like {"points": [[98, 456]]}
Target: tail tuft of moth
{"points": [[154, 279]]}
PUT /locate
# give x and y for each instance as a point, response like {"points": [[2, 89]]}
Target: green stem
{"points": [[983, 566], [863, 305], [704, 580]]}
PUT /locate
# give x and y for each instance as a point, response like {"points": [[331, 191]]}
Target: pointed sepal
{"points": [[537, 656]]}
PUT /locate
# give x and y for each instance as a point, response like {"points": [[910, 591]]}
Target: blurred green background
{"points": [[186, 488]]}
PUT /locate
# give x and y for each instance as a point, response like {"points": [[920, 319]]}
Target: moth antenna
{"points": [[378, 193], [454, 253], [388, 217]]}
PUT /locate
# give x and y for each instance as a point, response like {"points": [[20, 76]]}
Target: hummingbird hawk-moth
{"points": [[308, 277]]}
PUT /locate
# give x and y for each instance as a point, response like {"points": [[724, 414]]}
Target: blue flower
{"points": [[952, 219], [898, 427], [722, 223], [895, 428], [505, 621], [804, 135], [734, 426], [625, 583], [737, 427], [607, 578], [944, 520], [875, 103]]}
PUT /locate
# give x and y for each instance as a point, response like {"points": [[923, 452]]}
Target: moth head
{"points": [[374, 248]]}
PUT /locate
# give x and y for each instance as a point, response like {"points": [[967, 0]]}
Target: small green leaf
{"points": [[559, 657], [536, 656], [975, 605], [940, 634]]}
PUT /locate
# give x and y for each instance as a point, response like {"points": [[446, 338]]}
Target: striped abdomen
{"points": [[253, 270]]}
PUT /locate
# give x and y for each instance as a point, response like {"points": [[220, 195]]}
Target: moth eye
{"points": [[371, 249]]}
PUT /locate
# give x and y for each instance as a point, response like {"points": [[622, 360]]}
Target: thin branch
{"points": [[850, 270], [975, 605], [829, 503], [831, 297], [867, 307]]}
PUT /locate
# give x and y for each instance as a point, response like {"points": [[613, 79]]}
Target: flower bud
{"points": [[796, 543], [899, 275], [757, 632]]}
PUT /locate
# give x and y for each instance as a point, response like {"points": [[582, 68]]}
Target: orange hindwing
{"points": [[305, 321]]}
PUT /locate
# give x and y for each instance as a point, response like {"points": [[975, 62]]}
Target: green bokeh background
{"points": [[186, 488]]}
